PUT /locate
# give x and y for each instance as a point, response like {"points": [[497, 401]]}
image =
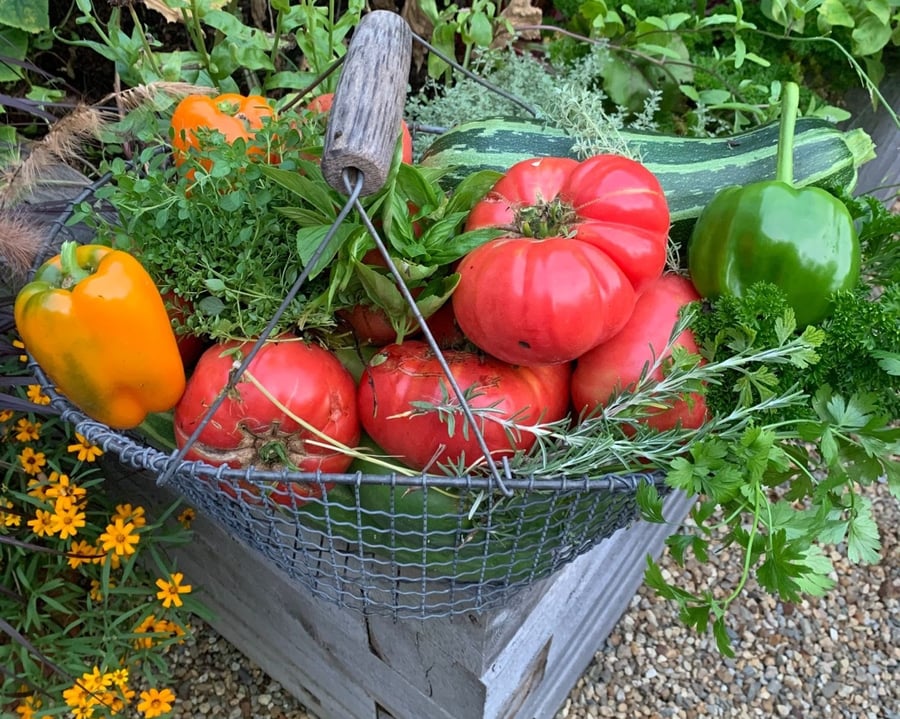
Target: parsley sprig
{"points": [[789, 485]]}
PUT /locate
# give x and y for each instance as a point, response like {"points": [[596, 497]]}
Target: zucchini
{"points": [[690, 170]]}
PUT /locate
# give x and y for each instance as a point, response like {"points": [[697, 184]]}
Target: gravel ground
{"points": [[838, 656]]}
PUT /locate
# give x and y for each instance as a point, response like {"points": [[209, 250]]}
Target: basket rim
{"points": [[143, 456]]}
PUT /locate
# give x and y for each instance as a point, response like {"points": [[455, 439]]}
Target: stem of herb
{"points": [[192, 23], [148, 51]]}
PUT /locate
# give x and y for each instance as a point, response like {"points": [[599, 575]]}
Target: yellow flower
{"points": [[60, 486], [37, 487], [67, 519], [6, 415], [36, 394], [86, 711], [187, 516], [32, 461], [28, 706], [81, 552], [119, 678], [117, 702], [166, 626], [20, 345], [101, 555], [9, 519], [119, 537], [155, 703], [96, 593], [127, 514], [42, 524], [76, 697], [145, 627], [87, 451], [170, 592], [95, 681], [27, 431]]}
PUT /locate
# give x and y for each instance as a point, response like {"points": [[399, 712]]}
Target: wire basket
{"points": [[423, 546]]}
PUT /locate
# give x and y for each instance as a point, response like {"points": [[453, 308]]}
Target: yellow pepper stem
{"points": [[72, 272]]}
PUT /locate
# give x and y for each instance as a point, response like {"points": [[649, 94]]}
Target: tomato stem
{"points": [[545, 218]]}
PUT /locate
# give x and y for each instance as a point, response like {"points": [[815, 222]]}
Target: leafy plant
{"points": [[868, 26], [24, 28], [473, 25], [789, 485], [239, 56]]}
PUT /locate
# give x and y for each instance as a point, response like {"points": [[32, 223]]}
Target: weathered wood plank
{"points": [[881, 176]]}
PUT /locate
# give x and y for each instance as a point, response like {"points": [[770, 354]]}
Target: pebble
{"points": [[836, 657]]}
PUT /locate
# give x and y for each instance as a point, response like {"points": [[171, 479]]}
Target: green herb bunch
{"points": [[215, 238], [89, 601], [227, 234]]}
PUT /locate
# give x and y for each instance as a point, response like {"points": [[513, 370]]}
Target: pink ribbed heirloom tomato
{"points": [[618, 363], [251, 428], [584, 240], [402, 381]]}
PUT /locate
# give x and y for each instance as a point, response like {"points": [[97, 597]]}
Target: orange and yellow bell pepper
{"points": [[94, 320]]}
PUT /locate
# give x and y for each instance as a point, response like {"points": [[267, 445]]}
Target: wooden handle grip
{"points": [[364, 120]]}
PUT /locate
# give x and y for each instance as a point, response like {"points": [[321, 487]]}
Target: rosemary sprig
{"points": [[615, 440]]}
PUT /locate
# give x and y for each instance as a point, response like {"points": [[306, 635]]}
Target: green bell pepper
{"points": [[801, 239]]}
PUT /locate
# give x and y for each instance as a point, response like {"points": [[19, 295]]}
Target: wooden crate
{"points": [[517, 661]]}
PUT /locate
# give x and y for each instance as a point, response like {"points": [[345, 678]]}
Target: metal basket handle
{"points": [[368, 104], [361, 136]]}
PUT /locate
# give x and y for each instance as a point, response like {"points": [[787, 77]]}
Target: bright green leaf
{"points": [[28, 15], [480, 30], [863, 544], [833, 13], [869, 36], [650, 503]]}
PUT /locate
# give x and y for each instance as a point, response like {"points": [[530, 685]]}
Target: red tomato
{"points": [[250, 429], [401, 375], [618, 363], [445, 329], [370, 324], [585, 239], [190, 347], [323, 103]]}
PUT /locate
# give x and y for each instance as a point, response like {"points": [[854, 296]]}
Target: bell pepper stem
{"points": [[73, 273], [784, 158]]}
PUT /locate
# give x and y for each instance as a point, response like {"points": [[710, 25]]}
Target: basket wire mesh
{"points": [[419, 546]]}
